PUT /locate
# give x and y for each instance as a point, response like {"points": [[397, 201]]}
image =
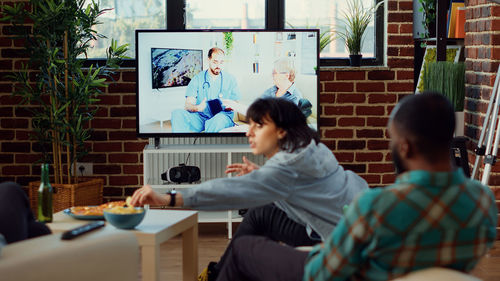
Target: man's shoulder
{"points": [[227, 75], [368, 197], [199, 75]]}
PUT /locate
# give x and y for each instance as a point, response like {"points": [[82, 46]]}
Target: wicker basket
{"points": [[88, 191]]}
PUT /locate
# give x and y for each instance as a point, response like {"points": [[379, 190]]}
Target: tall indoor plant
{"points": [[54, 85], [356, 19]]}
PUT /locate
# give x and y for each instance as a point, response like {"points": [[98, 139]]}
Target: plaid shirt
{"points": [[423, 220]]}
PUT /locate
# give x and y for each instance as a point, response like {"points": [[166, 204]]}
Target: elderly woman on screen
{"points": [[284, 82], [284, 86]]}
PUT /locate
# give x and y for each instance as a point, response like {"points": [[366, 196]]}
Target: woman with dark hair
{"points": [[296, 197]]}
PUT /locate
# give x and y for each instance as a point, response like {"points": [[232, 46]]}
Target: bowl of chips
{"points": [[124, 217]]}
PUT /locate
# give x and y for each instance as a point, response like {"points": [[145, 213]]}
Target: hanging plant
{"points": [[428, 8], [228, 42]]}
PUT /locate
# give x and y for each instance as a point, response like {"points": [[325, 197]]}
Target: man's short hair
{"points": [[215, 50], [428, 121], [285, 65]]}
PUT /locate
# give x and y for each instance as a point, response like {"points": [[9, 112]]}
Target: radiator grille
{"points": [[212, 165]]}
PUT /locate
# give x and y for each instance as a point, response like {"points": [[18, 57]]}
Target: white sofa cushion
{"points": [[105, 254]]}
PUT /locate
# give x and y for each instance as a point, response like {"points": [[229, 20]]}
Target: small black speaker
{"points": [[182, 173]]}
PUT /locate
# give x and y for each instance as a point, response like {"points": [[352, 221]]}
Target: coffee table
{"points": [[157, 227]]}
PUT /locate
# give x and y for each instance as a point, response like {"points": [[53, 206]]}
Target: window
{"points": [[122, 18], [245, 14], [326, 15], [125, 16]]}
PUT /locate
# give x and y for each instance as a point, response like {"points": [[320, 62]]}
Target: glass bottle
{"points": [[45, 196]]}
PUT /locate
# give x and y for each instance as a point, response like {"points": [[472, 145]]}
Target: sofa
{"points": [[437, 273], [104, 254]]}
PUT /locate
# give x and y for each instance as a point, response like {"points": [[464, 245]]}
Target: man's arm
{"points": [[191, 106], [339, 257], [234, 90], [258, 188], [192, 92]]}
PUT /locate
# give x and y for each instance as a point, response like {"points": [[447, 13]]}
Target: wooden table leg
{"points": [[150, 263], [190, 254]]}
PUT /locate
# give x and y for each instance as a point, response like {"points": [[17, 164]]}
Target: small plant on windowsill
{"points": [[356, 19]]}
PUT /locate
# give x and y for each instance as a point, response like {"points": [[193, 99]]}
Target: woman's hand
{"points": [[242, 168], [146, 195]]}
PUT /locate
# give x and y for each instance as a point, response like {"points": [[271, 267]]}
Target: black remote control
{"points": [[75, 232]]}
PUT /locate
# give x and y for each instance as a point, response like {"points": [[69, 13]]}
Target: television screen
{"points": [[201, 82], [174, 67]]}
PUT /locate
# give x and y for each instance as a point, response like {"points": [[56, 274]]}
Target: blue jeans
{"points": [[184, 121]]}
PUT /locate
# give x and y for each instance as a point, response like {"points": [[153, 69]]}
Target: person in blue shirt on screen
{"points": [[203, 110], [284, 82]]}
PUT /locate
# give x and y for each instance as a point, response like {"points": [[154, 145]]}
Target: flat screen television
{"points": [[181, 93]]}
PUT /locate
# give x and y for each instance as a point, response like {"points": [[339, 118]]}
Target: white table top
{"points": [[157, 226]]}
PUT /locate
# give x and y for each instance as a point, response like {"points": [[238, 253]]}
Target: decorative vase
{"points": [[355, 60]]}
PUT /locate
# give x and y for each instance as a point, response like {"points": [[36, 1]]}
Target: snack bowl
{"points": [[124, 217]]}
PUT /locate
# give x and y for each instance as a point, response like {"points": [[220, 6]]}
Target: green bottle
{"points": [[45, 196]]}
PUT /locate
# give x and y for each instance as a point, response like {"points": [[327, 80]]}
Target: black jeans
{"points": [[271, 222], [258, 258], [16, 219]]}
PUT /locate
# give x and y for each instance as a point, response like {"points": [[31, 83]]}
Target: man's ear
{"points": [[406, 149]]}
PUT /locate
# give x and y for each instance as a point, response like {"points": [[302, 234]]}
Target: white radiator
{"points": [[212, 165]]}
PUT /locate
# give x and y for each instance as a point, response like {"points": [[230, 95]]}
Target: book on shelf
{"points": [[460, 30], [452, 17]]}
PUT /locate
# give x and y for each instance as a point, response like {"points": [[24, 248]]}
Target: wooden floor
{"points": [[212, 244]]}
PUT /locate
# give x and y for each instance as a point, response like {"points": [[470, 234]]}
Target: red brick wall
{"points": [[482, 52], [355, 104]]}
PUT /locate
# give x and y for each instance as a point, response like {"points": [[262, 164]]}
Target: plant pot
{"points": [[355, 60], [459, 123], [88, 191]]}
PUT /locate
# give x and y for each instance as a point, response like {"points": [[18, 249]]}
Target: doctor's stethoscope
{"points": [[206, 83]]}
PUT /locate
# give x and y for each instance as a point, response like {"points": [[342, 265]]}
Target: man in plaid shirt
{"points": [[432, 216]]}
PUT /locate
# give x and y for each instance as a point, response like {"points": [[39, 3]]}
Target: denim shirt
{"points": [[309, 185], [292, 94]]}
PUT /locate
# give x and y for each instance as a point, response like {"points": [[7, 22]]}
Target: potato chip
{"points": [[124, 210], [96, 210]]}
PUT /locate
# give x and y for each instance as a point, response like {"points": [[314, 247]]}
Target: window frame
{"points": [[274, 20]]}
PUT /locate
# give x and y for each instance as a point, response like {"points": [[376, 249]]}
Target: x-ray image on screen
{"points": [[174, 67]]}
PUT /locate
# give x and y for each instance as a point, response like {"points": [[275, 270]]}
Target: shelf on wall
{"points": [[449, 41]]}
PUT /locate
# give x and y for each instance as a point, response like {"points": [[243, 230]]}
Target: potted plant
{"points": [[448, 78], [356, 19], [54, 85]]}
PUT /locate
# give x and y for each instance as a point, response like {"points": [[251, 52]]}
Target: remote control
{"points": [[75, 232]]}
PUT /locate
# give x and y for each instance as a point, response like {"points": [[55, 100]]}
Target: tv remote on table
{"points": [[75, 232]]}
